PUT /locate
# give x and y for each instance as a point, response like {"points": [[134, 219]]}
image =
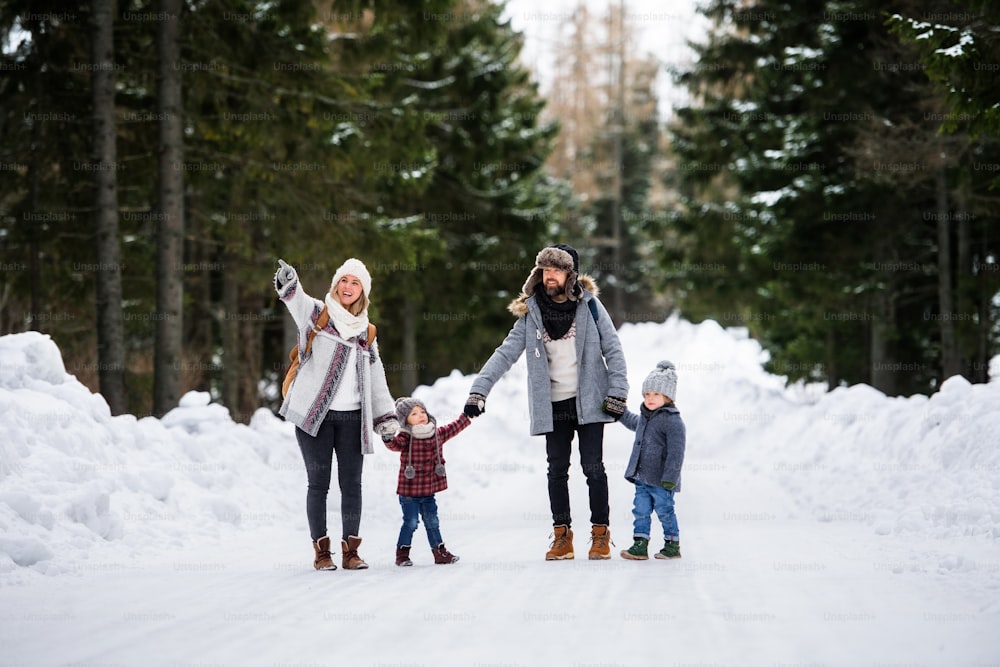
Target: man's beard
{"points": [[553, 291]]}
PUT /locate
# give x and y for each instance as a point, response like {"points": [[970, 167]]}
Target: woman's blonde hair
{"points": [[355, 308]]}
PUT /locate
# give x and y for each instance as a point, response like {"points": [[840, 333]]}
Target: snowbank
{"points": [[75, 480], [929, 466]]}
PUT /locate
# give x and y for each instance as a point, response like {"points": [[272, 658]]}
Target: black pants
{"points": [[558, 446], [340, 432]]}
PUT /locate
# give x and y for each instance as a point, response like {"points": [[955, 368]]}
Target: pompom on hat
{"points": [[662, 380], [354, 267]]}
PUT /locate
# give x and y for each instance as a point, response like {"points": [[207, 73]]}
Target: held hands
{"points": [[475, 406], [284, 275], [387, 429], [614, 406]]}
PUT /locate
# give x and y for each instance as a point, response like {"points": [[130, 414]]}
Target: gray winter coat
{"points": [[600, 360], [658, 449]]}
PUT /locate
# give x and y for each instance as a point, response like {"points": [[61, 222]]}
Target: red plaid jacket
{"points": [[426, 482]]}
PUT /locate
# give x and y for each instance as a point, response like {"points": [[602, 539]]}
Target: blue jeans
{"points": [[647, 499], [415, 507]]}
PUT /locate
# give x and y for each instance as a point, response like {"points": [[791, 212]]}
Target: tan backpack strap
{"points": [[321, 321], [372, 332]]}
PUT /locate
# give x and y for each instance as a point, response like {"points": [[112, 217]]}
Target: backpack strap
{"points": [[321, 321], [372, 332], [593, 309]]}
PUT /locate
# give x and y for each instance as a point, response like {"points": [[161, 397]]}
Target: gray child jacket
{"points": [[658, 449]]}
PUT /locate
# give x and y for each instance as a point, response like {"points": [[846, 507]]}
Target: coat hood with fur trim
{"points": [[519, 307]]}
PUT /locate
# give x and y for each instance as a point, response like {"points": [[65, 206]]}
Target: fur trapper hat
{"points": [[559, 256]]}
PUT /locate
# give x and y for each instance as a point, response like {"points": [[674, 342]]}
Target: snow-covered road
{"points": [[755, 587], [849, 530]]}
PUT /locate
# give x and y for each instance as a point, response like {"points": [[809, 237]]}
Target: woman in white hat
{"points": [[338, 398]]}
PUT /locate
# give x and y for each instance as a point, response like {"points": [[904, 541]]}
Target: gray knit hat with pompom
{"points": [[405, 405], [662, 379]]}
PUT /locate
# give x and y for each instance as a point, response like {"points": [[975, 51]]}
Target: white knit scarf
{"points": [[348, 325], [422, 431]]}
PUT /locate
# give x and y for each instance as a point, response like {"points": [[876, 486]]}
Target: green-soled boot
{"points": [[638, 550], [670, 550]]}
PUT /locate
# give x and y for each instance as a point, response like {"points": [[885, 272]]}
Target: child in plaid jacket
{"points": [[421, 475]]}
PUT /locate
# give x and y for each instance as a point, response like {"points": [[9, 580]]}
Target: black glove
{"points": [[284, 275], [614, 406], [475, 406]]}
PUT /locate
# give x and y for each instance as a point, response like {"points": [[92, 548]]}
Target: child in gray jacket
{"points": [[655, 464]]}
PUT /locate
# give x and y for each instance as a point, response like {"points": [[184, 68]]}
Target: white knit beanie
{"points": [[357, 268], [662, 379]]}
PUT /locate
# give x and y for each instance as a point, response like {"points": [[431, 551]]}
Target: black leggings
{"points": [[340, 432], [558, 446]]}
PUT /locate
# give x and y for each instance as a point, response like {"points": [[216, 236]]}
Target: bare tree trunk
{"points": [[230, 328], [409, 376], [832, 372], [251, 366], [975, 367], [34, 167], [34, 244], [881, 357], [170, 236], [950, 360], [110, 327]]}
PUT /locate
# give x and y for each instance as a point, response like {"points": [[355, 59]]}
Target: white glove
{"points": [[388, 428], [284, 275]]}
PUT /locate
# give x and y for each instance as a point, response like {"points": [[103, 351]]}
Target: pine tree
{"points": [[798, 161], [460, 248], [110, 326]]}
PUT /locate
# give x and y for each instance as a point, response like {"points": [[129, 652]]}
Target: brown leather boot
{"points": [[403, 556], [442, 556], [562, 546], [600, 536], [351, 560], [322, 559]]}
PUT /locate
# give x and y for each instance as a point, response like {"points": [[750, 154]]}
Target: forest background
{"points": [[828, 182]]}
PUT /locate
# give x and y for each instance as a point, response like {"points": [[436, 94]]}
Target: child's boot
{"points": [[638, 550], [670, 549], [403, 556], [442, 556], [562, 546]]}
